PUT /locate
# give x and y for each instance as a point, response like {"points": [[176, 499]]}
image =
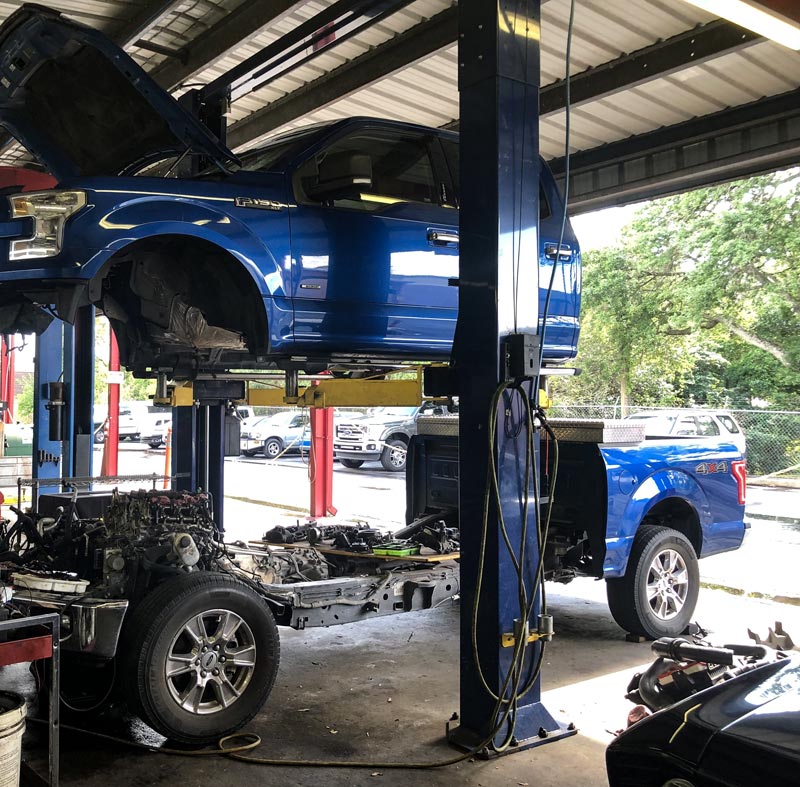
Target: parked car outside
{"points": [[129, 427], [691, 423], [156, 424], [274, 434], [382, 435]]}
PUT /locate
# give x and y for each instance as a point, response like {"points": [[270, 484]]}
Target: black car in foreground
{"points": [[743, 731]]}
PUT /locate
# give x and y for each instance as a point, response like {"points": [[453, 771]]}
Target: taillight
{"points": [[739, 470]]}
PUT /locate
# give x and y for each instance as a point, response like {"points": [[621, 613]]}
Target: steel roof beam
{"points": [[668, 57], [738, 142], [143, 21], [246, 21], [660, 60], [329, 27], [404, 49]]}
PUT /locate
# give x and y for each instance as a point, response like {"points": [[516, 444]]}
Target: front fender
{"points": [[664, 484], [105, 232]]}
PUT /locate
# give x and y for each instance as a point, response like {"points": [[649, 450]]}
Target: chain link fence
{"points": [[773, 436]]}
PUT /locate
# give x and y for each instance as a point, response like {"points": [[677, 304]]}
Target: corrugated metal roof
{"points": [[426, 92]]}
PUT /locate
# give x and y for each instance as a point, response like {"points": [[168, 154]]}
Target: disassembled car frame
{"points": [[156, 607]]}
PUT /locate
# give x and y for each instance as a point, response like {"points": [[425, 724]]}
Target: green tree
{"points": [[734, 254], [625, 353], [700, 302], [24, 403]]}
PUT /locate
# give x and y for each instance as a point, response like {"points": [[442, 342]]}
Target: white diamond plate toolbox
{"points": [[580, 430], [438, 425]]}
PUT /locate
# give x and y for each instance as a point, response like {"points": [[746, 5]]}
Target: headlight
{"points": [[50, 211]]}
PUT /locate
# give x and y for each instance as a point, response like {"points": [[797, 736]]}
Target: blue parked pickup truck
{"points": [[334, 244], [633, 510]]}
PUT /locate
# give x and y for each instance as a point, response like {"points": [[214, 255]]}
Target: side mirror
{"points": [[341, 174]]}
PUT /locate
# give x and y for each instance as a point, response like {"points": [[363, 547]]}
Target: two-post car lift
{"points": [[501, 644]]}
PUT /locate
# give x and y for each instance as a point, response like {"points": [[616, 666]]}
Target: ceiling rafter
{"points": [[737, 142], [657, 61], [663, 59], [400, 52], [147, 16], [246, 21]]}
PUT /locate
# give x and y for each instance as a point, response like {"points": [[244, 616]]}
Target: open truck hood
{"points": [[82, 106]]}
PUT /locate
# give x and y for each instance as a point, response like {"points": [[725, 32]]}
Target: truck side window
{"points": [[706, 426], [402, 170], [687, 426], [729, 423], [451, 152]]}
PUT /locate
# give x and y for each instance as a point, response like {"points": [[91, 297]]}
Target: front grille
{"points": [[350, 432]]}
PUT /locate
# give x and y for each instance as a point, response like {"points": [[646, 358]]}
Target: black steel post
{"points": [[216, 460], [184, 447]]}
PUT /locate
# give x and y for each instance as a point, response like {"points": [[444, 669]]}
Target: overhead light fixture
{"points": [[764, 17]]}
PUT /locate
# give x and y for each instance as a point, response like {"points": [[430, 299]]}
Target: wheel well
{"points": [[679, 515], [398, 436], [146, 287]]}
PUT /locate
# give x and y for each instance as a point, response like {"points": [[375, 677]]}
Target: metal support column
{"points": [[49, 368], [498, 295], [111, 445], [7, 377], [79, 376], [320, 463], [184, 447], [215, 458]]}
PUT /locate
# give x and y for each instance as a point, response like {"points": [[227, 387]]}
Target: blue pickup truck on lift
{"points": [[334, 244]]}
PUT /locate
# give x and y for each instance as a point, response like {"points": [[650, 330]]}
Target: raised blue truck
{"points": [[335, 244]]}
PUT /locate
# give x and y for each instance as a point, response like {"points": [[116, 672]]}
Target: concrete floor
{"points": [[385, 688]]}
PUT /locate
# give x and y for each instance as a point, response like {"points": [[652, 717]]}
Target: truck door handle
{"points": [[550, 251], [442, 238]]}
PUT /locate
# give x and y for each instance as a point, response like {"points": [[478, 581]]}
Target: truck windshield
{"points": [[286, 146]]}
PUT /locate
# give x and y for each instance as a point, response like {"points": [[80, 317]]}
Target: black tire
{"points": [[162, 624], [155, 444], [99, 437], [353, 464], [393, 456], [272, 447], [668, 613], [248, 453]]}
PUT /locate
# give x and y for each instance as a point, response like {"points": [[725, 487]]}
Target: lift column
{"points": [[498, 295], [79, 376], [49, 409]]}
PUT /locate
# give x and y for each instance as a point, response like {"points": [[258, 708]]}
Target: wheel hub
{"points": [[667, 584], [210, 662]]}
